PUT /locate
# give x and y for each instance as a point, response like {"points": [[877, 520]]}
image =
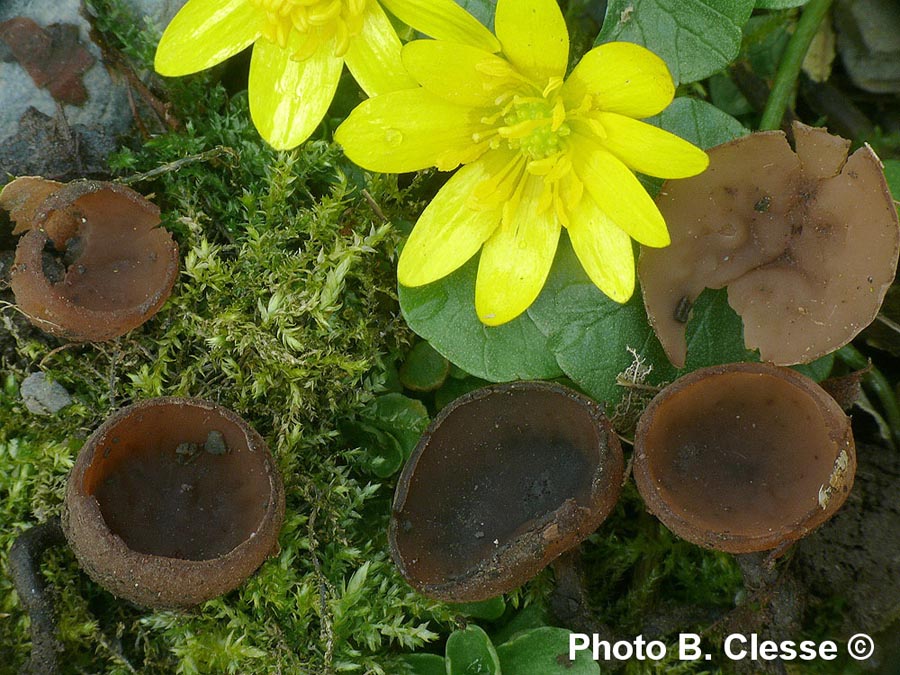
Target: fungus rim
{"points": [[146, 579], [841, 476]]}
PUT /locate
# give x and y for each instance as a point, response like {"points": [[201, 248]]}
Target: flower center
{"points": [[534, 126], [304, 26]]}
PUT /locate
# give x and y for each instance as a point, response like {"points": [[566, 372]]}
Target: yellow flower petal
{"points": [[289, 98], [604, 250], [449, 231], [534, 37], [516, 260], [206, 32], [444, 20], [649, 149], [618, 192], [624, 78], [374, 55], [458, 73], [407, 131]]}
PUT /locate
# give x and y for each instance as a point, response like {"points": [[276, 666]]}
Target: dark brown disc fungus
{"points": [[172, 502], [806, 242], [744, 457], [504, 480], [92, 263]]}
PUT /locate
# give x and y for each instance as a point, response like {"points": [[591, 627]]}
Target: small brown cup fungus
{"points": [[111, 267], [744, 457], [504, 480], [806, 243], [172, 502]]}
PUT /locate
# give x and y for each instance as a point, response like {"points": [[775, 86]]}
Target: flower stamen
{"points": [[303, 26]]}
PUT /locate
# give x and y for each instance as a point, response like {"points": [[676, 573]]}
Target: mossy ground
{"points": [[286, 312]]}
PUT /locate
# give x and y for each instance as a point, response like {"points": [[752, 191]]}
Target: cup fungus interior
{"points": [[166, 488], [110, 267], [92, 262], [806, 240], [498, 466], [744, 454]]}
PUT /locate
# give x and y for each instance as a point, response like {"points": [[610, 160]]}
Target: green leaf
{"points": [[595, 339], [453, 389], [404, 418], [544, 651], [424, 369], [470, 652], [817, 370], [696, 38], [483, 10], [698, 122], [892, 174], [444, 314], [488, 610], [422, 664], [388, 429], [779, 4]]}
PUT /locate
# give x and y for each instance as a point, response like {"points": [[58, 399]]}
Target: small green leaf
{"points": [[544, 651], [696, 38], [388, 429], [422, 664], [488, 610], [533, 616], [470, 652], [444, 314], [424, 369]]}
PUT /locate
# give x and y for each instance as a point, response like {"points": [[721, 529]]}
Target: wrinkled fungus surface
{"points": [[744, 457], [806, 242], [172, 502], [92, 263], [504, 480]]}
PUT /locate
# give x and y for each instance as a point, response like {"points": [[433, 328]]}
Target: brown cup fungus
{"points": [[504, 480], [172, 502], [806, 242], [744, 457], [92, 263]]}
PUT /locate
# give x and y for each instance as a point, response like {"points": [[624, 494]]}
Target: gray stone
{"points": [[41, 136], [42, 396]]}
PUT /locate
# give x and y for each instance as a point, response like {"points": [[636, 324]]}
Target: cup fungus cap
{"points": [[806, 242], [173, 501], [504, 480], [117, 269], [743, 457]]}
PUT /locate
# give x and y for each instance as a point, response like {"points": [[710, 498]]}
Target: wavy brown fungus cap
{"points": [[744, 457], [504, 480], [806, 243], [172, 502], [92, 263]]}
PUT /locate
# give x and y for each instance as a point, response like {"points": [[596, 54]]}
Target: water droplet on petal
{"points": [[393, 137]]}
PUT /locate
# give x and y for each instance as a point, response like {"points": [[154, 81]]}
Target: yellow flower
{"points": [[299, 48], [540, 152]]}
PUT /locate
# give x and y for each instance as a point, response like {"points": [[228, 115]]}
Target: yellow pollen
{"points": [[305, 26]]}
